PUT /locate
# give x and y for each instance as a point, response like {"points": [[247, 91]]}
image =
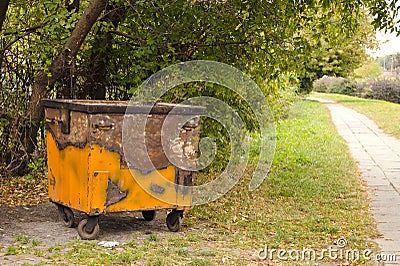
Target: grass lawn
{"points": [[385, 114], [311, 198]]}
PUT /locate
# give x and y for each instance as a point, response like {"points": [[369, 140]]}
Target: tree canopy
{"points": [[104, 49]]}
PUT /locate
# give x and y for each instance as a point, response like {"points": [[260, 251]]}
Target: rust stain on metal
{"points": [[114, 194], [95, 211], [106, 130], [84, 138]]}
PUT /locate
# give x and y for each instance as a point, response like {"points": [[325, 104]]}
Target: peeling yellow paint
{"points": [[78, 178]]}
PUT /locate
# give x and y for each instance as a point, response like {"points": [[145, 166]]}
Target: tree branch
{"points": [[18, 37], [26, 30], [56, 71], [217, 44], [134, 38], [3, 12], [220, 44], [106, 14], [142, 41]]}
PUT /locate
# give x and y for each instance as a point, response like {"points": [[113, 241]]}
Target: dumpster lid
{"points": [[120, 107]]}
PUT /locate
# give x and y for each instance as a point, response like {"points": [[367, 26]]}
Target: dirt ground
{"points": [[42, 222]]}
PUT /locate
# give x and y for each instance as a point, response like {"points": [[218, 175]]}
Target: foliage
{"points": [[335, 85], [287, 87], [302, 203], [369, 69], [33, 33], [381, 89], [301, 186], [337, 54], [133, 39]]}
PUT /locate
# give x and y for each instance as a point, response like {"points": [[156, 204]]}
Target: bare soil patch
{"points": [[42, 222]]}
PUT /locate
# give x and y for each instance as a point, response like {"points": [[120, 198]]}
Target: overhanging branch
{"points": [[131, 37], [26, 30], [178, 44]]}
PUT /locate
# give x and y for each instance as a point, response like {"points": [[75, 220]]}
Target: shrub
{"points": [[281, 94], [335, 85], [382, 89], [321, 85]]}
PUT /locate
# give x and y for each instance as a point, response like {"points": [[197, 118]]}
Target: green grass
{"points": [[385, 114], [311, 198], [22, 238]]}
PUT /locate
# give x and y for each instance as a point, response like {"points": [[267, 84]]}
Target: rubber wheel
{"points": [[149, 215], [174, 221], [67, 216], [87, 235]]}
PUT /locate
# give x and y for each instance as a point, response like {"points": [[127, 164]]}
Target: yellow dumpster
{"points": [[88, 171]]}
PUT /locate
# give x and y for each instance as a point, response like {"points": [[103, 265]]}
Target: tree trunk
{"points": [[56, 71], [95, 84], [3, 12], [72, 6]]}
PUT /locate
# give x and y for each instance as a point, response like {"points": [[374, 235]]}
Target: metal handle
{"points": [[54, 120], [104, 127]]}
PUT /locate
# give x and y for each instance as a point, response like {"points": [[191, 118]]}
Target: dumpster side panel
{"points": [[67, 174], [121, 192], [68, 157]]}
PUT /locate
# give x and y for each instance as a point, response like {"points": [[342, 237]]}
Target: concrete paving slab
{"points": [[373, 172]]}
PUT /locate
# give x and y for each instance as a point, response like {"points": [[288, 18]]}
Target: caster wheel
{"points": [[149, 215], [67, 216], [174, 220], [82, 227]]}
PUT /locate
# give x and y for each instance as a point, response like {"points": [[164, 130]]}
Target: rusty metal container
{"points": [[88, 170]]}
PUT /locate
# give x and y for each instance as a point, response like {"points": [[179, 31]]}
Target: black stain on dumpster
{"points": [[52, 179], [188, 179], [114, 194], [157, 189], [184, 181], [61, 145], [187, 183]]}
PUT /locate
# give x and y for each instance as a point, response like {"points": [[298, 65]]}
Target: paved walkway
{"points": [[378, 155]]}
